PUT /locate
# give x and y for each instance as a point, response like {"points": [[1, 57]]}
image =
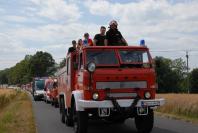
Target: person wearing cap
{"points": [[87, 41], [72, 49], [99, 38], [113, 36]]}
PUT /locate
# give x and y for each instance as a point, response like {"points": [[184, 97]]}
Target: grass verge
{"points": [[16, 114], [180, 106]]}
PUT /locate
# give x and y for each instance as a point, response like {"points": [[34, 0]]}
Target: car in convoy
{"points": [[38, 85]]}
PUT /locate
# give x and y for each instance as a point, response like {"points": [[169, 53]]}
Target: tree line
{"points": [[171, 74], [40, 64]]}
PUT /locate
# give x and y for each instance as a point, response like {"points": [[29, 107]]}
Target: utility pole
{"points": [[187, 58]]}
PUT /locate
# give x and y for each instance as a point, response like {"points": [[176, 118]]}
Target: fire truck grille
{"points": [[120, 95], [121, 85]]}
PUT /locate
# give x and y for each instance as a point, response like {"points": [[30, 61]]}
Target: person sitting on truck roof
{"points": [[80, 44], [72, 49], [113, 36], [87, 41], [99, 38]]}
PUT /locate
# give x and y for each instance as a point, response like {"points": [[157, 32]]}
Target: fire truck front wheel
{"points": [[144, 123], [62, 110], [80, 119], [68, 119]]}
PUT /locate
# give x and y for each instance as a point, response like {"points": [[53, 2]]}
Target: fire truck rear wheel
{"points": [[144, 123], [52, 102], [80, 119], [62, 110], [69, 119]]}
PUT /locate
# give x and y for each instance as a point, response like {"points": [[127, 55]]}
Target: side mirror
{"points": [[75, 66]]}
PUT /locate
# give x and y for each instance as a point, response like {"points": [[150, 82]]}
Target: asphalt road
{"points": [[48, 121]]}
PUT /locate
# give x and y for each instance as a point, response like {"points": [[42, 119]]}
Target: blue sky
{"points": [[50, 25]]}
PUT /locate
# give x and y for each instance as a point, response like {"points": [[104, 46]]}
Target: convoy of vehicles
{"points": [[113, 83]]}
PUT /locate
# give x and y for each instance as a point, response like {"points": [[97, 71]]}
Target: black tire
{"points": [[80, 119], [56, 105], [47, 101], [35, 99], [52, 102], [144, 123], [69, 119], [120, 121], [62, 110]]}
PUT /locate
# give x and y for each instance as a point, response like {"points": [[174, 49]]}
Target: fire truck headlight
{"points": [[91, 67], [95, 96], [147, 95]]}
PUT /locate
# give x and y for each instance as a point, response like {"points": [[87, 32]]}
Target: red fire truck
{"points": [[113, 83]]}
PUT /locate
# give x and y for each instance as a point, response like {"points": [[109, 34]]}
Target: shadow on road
{"points": [[127, 127]]}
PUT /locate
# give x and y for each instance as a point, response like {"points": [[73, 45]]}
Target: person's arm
{"points": [[95, 40], [68, 51], [106, 42], [123, 40], [106, 39], [90, 43]]}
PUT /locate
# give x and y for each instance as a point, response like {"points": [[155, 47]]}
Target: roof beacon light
{"points": [[142, 43]]}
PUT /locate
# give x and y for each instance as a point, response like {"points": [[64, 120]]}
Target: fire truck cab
{"points": [[113, 83]]}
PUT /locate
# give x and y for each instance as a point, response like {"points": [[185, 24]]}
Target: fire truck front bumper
{"points": [[153, 103]]}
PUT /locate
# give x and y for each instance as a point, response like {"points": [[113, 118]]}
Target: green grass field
{"points": [[16, 114]]}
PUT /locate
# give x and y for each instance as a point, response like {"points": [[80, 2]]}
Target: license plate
{"points": [[150, 103], [104, 112]]}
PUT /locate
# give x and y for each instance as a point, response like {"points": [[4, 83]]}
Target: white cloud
{"points": [[157, 19], [57, 10], [163, 25], [14, 18]]}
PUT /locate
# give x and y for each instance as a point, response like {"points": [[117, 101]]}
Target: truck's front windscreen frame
{"points": [[109, 57]]}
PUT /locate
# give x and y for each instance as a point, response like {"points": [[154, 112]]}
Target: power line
{"points": [[173, 50]]}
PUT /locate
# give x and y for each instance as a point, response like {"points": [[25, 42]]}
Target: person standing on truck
{"points": [[87, 41], [80, 44], [113, 36], [72, 49], [99, 38]]}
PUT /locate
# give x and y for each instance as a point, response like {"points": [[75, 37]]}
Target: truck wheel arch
{"points": [[77, 95]]}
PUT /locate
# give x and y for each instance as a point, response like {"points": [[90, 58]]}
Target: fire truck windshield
{"points": [[102, 57], [134, 57]]}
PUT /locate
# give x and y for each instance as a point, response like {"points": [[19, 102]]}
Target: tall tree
{"points": [[42, 64], [62, 63], [170, 74], [194, 81], [4, 76]]}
